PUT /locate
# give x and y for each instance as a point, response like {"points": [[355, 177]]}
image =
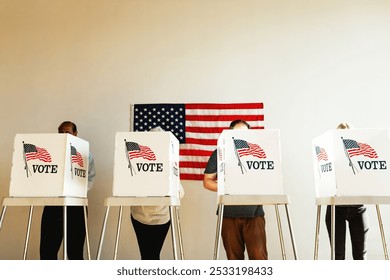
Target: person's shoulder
{"points": [[213, 155]]}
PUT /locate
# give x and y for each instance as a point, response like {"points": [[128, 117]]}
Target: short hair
{"points": [[236, 122], [74, 127], [344, 126]]}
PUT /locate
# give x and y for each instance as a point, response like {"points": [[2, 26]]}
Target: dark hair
{"points": [[74, 127], [236, 122]]}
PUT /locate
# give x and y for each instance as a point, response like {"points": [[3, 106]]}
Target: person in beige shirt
{"points": [[151, 225]]}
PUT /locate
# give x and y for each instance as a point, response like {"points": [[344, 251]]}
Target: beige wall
{"points": [[312, 63]]}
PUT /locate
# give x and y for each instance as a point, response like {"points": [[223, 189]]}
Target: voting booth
{"points": [[351, 168], [352, 162], [249, 162], [146, 173], [49, 170], [250, 173], [146, 164], [49, 165]]}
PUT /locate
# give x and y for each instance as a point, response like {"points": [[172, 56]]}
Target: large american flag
{"points": [[76, 156], [321, 154], [356, 149], [245, 148], [139, 151], [32, 152], [197, 126]]}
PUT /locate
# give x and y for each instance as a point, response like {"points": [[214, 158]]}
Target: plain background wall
{"points": [[312, 63]]}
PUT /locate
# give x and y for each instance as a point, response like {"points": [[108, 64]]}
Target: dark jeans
{"points": [[357, 219], [150, 238], [52, 231]]}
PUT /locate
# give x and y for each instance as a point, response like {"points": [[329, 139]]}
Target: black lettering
{"points": [[35, 167], [45, 168], [145, 167], [79, 172], [326, 167], [262, 165], [361, 164], [151, 167], [373, 164]]}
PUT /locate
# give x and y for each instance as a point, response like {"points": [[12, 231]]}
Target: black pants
{"points": [[150, 238], [52, 231], [357, 220]]}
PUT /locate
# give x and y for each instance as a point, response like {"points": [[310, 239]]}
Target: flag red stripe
{"points": [[197, 129], [211, 118], [193, 164], [224, 106], [210, 142], [188, 152], [197, 177], [204, 129]]}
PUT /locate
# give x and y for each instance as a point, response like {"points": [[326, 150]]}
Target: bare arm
{"points": [[210, 182]]}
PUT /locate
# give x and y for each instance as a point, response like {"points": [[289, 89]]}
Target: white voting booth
{"points": [[49, 165], [351, 166], [48, 169], [352, 162], [146, 173], [250, 173], [146, 164], [249, 163]]}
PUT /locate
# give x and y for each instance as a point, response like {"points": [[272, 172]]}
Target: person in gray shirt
{"points": [[242, 226]]}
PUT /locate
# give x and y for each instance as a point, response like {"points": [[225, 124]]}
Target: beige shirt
{"points": [[153, 215]]}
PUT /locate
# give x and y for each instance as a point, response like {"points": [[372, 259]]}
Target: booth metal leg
{"points": [[291, 232], [280, 232], [86, 232], [316, 239], [173, 231], [103, 233], [179, 233], [333, 232], [382, 232], [218, 231], [65, 240], [118, 231], [28, 232], [2, 216]]}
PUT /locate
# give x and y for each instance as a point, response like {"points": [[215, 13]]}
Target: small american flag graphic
{"points": [[138, 151], [34, 152], [245, 148], [357, 149], [76, 156], [321, 154]]}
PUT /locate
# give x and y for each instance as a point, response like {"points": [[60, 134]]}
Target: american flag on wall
{"points": [[197, 126], [32, 152], [245, 148], [356, 149]]}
